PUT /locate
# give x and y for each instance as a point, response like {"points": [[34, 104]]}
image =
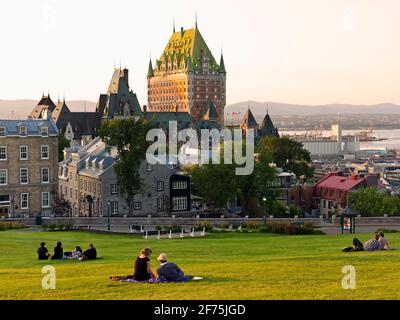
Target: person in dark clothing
{"points": [[169, 271], [143, 271], [58, 252], [43, 253], [89, 254], [357, 246]]}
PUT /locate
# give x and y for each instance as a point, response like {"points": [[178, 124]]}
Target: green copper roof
{"points": [[188, 43]]}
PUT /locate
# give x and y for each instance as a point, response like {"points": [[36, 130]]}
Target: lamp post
{"points": [[108, 215], [264, 200]]}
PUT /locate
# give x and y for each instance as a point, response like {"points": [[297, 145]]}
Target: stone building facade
{"points": [[87, 179], [28, 166], [187, 77]]}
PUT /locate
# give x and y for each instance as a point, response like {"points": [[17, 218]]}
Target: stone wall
{"points": [[93, 222]]}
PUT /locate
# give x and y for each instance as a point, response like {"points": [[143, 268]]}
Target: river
{"points": [[392, 136]]}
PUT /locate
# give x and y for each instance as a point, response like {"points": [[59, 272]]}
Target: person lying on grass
{"points": [[169, 271], [373, 244], [384, 243]]}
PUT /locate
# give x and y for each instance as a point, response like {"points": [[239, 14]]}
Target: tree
{"points": [[287, 154], [60, 206], [128, 136], [218, 184], [215, 183], [62, 143], [373, 202]]}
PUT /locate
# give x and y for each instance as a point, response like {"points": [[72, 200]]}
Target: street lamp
{"points": [[108, 215], [264, 200]]}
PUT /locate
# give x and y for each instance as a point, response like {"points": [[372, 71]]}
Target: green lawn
{"points": [[235, 266]]}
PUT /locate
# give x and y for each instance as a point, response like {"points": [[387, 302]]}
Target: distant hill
{"points": [[276, 108], [20, 109]]}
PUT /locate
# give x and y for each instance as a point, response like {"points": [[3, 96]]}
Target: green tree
{"points": [[287, 154], [62, 143], [128, 136], [373, 202]]}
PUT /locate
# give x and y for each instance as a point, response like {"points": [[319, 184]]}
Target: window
{"points": [[85, 185], [3, 177], [3, 152], [160, 185], [44, 150], [160, 204], [149, 167], [114, 189], [90, 186], [179, 185], [45, 199], [44, 175], [80, 183], [3, 131], [23, 131], [76, 194], [24, 201], [114, 207], [137, 206], [70, 192], [23, 152], [23, 176], [179, 203], [44, 131]]}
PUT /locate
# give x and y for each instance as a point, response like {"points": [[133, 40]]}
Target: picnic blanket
{"points": [[130, 278]]}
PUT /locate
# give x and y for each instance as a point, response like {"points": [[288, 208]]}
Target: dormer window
{"points": [[3, 131], [44, 131], [23, 131]]}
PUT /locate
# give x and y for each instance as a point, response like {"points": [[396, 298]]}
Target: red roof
{"points": [[334, 181]]}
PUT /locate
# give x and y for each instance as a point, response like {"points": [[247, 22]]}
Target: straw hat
{"points": [[162, 257]]}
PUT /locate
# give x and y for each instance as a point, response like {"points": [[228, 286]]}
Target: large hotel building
{"points": [[187, 78]]}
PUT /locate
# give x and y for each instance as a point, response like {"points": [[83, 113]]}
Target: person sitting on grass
{"points": [[169, 271], [384, 243], [373, 244], [142, 267], [89, 254], [43, 252], [77, 253], [58, 252]]}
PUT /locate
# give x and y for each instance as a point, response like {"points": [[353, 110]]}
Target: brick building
{"points": [[187, 78], [28, 166]]}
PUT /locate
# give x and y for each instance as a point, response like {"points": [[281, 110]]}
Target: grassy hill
{"points": [[235, 266]]}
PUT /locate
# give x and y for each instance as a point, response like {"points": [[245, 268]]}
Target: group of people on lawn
{"points": [[59, 254], [143, 272], [377, 243]]}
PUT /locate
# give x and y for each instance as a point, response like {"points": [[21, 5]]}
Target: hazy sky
{"points": [[306, 52]]}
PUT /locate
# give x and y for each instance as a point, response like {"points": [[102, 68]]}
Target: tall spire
{"points": [[173, 29], [195, 19], [222, 64], [150, 72]]}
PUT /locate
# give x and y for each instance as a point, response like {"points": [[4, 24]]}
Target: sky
{"points": [[302, 52]]}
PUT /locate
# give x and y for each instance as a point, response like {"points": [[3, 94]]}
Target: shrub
{"points": [[384, 230], [11, 225], [69, 226], [288, 228], [60, 227], [251, 225], [174, 228], [45, 227], [204, 224], [158, 228], [52, 227]]}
